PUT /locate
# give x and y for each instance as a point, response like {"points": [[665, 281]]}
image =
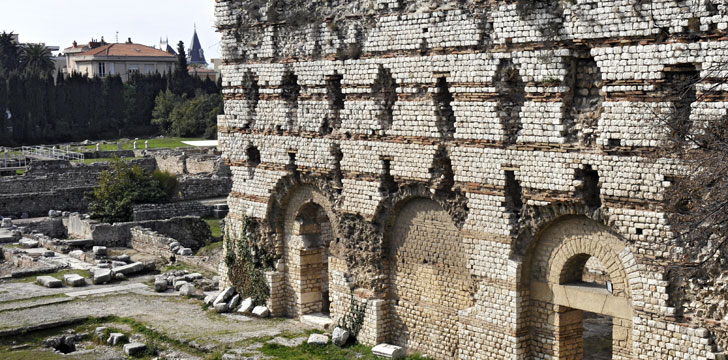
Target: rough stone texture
{"points": [[74, 280], [340, 336], [116, 339], [100, 276], [145, 212], [454, 166], [317, 339], [49, 281], [261, 311], [135, 349]]}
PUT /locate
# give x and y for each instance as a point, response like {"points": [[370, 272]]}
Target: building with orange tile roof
{"points": [[101, 59]]}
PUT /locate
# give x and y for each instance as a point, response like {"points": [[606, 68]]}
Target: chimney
{"points": [[129, 41]]}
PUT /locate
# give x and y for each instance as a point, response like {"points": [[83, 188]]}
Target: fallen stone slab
{"points": [[246, 306], [184, 252], [74, 280], [135, 349], [224, 295], [340, 336], [178, 284], [129, 269], [28, 243], [6, 223], [100, 276], [388, 351], [188, 290], [209, 299], [76, 254], [107, 290], [99, 331], [261, 311], [318, 339], [116, 339], [49, 281]]}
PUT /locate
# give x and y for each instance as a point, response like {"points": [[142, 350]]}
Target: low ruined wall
{"points": [[108, 154], [150, 242], [191, 232], [53, 185], [53, 227], [165, 211], [204, 187]]}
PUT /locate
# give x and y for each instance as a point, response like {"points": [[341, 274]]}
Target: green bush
{"points": [[122, 187]]}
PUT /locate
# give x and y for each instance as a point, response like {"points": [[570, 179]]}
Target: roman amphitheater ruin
{"points": [[479, 174]]}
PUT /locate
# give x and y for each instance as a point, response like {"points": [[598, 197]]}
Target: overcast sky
{"points": [[60, 22]]}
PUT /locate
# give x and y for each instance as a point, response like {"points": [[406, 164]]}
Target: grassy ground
{"points": [[154, 143], [317, 352], [214, 226], [209, 249]]}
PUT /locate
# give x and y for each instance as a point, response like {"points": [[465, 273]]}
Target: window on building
{"points": [[102, 69], [133, 69], [149, 68]]}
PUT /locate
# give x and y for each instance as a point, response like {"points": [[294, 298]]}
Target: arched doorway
{"points": [[578, 281], [428, 279], [308, 233]]}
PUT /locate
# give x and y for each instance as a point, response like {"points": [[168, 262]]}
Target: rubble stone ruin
{"points": [[477, 173]]}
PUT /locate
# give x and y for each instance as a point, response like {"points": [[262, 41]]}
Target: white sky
{"points": [[60, 22]]}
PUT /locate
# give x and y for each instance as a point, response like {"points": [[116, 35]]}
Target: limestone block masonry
{"points": [[452, 168]]}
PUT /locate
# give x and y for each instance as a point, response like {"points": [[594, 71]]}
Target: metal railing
{"points": [[51, 153], [20, 158]]}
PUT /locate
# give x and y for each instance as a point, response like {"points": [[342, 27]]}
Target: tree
{"points": [[37, 59], [187, 117], [697, 200], [9, 53], [182, 68], [124, 186]]}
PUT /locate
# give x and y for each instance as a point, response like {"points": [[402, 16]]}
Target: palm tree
{"points": [[38, 59]]}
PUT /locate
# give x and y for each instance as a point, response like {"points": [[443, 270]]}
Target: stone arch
{"points": [[558, 298], [309, 227], [428, 281]]}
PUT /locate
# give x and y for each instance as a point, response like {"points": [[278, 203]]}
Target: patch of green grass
{"points": [[154, 143], [20, 172], [328, 352], [58, 275], [209, 249], [214, 227]]}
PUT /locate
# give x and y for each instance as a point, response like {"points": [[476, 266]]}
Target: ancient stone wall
{"points": [[488, 129], [165, 211]]}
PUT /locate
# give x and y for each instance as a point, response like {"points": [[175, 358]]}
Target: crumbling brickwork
{"points": [[470, 158]]}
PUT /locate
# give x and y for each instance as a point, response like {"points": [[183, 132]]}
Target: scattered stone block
{"points": [[49, 254], [119, 277], [188, 290], [340, 336], [100, 251], [100, 276], [116, 339], [76, 254], [209, 299], [178, 284], [193, 276], [28, 243], [6, 223], [318, 339], [234, 302], [184, 252], [246, 306], [99, 331], [388, 351], [261, 311], [160, 284], [49, 281], [135, 349], [224, 296], [221, 307], [74, 280], [129, 269]]}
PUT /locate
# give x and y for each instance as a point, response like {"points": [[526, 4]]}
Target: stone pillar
{"points": [[375, 329], [310, 292], [276, 300], [621, 339], [119, 146], [135, 145], [98, 147], [146, 144], [569, 330]]}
